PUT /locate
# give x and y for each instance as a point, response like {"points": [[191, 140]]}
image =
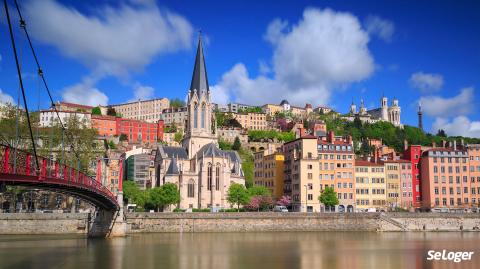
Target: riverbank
{"points": [[34, 223]]}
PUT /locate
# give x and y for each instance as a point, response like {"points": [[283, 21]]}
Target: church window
{"points": [[191, 189], [195, 116], [209, 178], [202, 120], [217, 177]]}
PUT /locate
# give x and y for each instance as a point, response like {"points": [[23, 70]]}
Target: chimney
{"points": [[331, 136], [405, 144], [434, 144], [444, 143], [349, 139], [454, 144], [462, 142]]}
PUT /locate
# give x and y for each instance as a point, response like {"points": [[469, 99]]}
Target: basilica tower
{"points": [[199, 128]]}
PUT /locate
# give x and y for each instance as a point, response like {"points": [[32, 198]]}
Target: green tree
{"points": [[257, 190], [111, 111], [169, 194], [133, 194], [177, 102], [236, 144], [123, 137], [328, 197], [96, 111], [237, 195], [441, 133], [178, 137]]}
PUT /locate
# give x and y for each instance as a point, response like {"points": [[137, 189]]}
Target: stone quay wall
{"points": [[66, 223], [47, 223]]}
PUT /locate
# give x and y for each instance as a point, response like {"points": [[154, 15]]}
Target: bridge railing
{"points": [[22, 163]]}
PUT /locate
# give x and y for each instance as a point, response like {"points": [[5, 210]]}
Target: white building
{"points": [[383, 113], [49, 117]]}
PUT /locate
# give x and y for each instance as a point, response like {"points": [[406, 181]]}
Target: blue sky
{"points": [[321, 52]]}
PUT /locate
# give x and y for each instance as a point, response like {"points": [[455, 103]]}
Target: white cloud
{"points": [[5, 98], [84, 93], [459, 126], [426, 82], [458, 105], [142, 92], [324, 50], [380, 27], [112, 41]]}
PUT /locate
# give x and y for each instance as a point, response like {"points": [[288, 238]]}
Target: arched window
{"points": [[191, 188], [209, 177], [202, 120], [195, 116], [217, 177]]}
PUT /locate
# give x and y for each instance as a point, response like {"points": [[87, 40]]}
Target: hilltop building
{"points": [[383, 113], [201, 170]]}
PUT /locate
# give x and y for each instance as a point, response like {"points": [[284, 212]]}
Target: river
{"points": [[239, 250]]}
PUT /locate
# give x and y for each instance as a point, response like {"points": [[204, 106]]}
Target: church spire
{"points": [[199, 77]]}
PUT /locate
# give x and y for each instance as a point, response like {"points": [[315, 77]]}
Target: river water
{"points": [[304, 250]]}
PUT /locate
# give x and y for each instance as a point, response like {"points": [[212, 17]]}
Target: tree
{"points": [[328, 197], [123, 137], [111, 111], [258, 190], [133, 194], [178, 137], [176, 103], [285, 200], [169, 194], [96, 111], [236, 144], [441, 133], [237, 195]]}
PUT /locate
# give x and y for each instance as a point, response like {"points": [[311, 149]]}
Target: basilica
{"points": [[383, 113], [201, 170]]}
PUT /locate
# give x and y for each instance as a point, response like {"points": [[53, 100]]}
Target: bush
{"points": [[233, 210], [179, 210], [201, 210]]}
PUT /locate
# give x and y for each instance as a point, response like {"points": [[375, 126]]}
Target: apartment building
{"points": [[105, 125], [229, 134], [269, 171], [311, 164], [370, 186], [49, 118], [176, 116], [252, 121], [413, 154], [398, 180], [336, 160], [473, 151], [232, 107], [146, 110], [140, 131], [137, 170], [65, 106], [445, 178]]}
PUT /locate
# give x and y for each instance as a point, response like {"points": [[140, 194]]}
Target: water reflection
{"points": [[239, 250]]}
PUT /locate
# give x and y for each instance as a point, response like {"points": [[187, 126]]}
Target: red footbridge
{"points": [[17, 167]]}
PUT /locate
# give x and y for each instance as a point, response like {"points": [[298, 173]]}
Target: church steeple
{"points": [[199, 77]]}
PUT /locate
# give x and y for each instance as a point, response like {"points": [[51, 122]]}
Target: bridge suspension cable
{"points": [[23, 26], [19, 72]]}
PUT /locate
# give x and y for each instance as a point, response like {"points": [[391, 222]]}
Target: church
{"points": [[383, 113], [202, 171]]}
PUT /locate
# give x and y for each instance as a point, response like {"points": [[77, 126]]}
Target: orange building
{"points": [[105, 125], [445, 178], [474, 171], [140, 131]]}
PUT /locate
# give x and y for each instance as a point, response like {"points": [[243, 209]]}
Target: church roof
{"points": [[284, 102], [175, 152], [210, 150], [233, 155], [199, 77], [173, 168]]}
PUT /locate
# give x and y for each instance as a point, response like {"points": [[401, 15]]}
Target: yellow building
{"points": [[392, 179], [252, 121], [311, 164], [268, 171], [370, 186]]}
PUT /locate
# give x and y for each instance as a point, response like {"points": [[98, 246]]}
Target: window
{"points": [[202, 120], [191, 189], [209, 178], [195, 116], [310, 197], [217, 178]]}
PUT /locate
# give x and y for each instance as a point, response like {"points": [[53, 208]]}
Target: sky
{"points": [[320, 52]]}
